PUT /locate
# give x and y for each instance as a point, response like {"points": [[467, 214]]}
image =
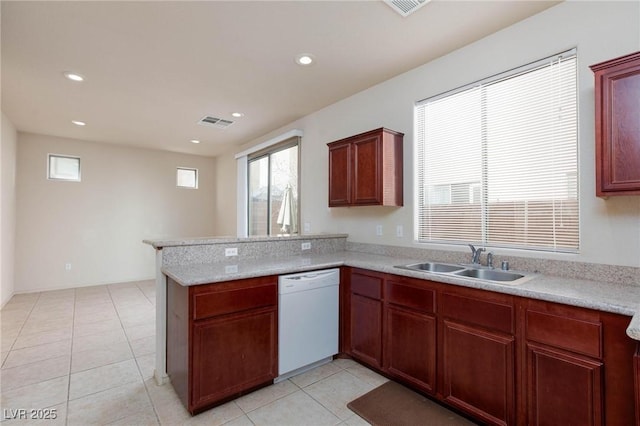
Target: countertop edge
{"points": [[179, 242]]}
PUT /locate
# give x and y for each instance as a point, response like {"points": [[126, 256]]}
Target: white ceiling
{"points": [[153, 69]]}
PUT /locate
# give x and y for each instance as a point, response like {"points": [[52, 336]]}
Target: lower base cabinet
{"points": [[500, 359], [363, 290], [478, 351], [232, 355], [222, 339], [366, 334], [564, 389], [410, 342]]}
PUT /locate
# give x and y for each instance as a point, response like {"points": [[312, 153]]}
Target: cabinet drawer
{"points": [[366, 285], [577, 335], [485, 313], [228, 299], [411, 296]]}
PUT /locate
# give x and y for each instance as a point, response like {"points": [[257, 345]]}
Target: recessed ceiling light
{"points": [[195, 141], [305, 59], [237, 114], [73, 76], [79, 123]]}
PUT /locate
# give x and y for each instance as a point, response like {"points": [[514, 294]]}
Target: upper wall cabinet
{"points": [[617, 95], [366, 169]]}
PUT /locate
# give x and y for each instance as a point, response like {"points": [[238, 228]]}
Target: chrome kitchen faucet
{"points": [[475, 254]]}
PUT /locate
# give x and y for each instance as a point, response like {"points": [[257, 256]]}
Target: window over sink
{"points": [[497, 160]]}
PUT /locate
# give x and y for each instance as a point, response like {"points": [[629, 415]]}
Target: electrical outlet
{"points": [[231, 269], [231, 251], [307, 227], [67, 266], [306, 246], [379, 230], [399, 231]]}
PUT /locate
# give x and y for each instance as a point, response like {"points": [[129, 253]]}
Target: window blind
{"points": [[497, 161]]}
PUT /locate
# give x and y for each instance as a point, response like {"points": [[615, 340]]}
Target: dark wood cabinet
{"points": [[232, 354], [478, 350], [617, 105], [366, 170], [222, 339], [409, 347], [563, 388], [578, 366], [564, 369], [501, 359], [365, 321]]}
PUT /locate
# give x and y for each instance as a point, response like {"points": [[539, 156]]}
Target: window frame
{"points": [[422, 197], [50, 156], [266, 153]]}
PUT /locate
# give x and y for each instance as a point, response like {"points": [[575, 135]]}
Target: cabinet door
{"points": [[617, 94], [367, 170], [232, 354], [479, 372], [410, 347], [366, 330], [563, 389], [339, 175]]}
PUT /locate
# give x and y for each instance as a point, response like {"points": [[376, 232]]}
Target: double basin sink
{"points": [[468, 271]]}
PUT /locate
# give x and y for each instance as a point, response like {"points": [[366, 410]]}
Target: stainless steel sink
{"points": [[432, 267], [469, 271], [489, 274]]}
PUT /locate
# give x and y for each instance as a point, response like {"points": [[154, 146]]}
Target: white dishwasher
{"points": [[307, 320]]}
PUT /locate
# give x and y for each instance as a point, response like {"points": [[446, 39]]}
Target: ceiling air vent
{"points": [[216, 122], [406, 7]]}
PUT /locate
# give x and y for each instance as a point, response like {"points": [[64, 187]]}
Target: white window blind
{"points": [[497, 161]]}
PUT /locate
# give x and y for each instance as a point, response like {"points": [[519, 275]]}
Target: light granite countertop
{"points": [[178, 242], [619, 298]]}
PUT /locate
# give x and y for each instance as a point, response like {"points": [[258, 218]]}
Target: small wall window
{"points": [[63, 167], [187, 178]]}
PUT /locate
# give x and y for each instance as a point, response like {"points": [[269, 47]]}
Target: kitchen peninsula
{"points": [[555, 326]]}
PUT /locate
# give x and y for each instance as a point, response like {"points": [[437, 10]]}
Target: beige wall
{"points": [[8, 141], [226, 190], [97, 225], [600, 30]]}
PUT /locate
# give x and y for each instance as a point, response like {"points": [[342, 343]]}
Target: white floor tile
{"points": [[102, 378], [108, 406], [266, 396], [28, 374], [38, 353], [25, 340], [38, 395], [99, 356], [296, 409], [91, 341], [336, 391]]}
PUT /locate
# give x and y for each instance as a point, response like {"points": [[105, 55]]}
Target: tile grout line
{"points": [[21, 327], [319, 402], [73, 320], [133, 353]]}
